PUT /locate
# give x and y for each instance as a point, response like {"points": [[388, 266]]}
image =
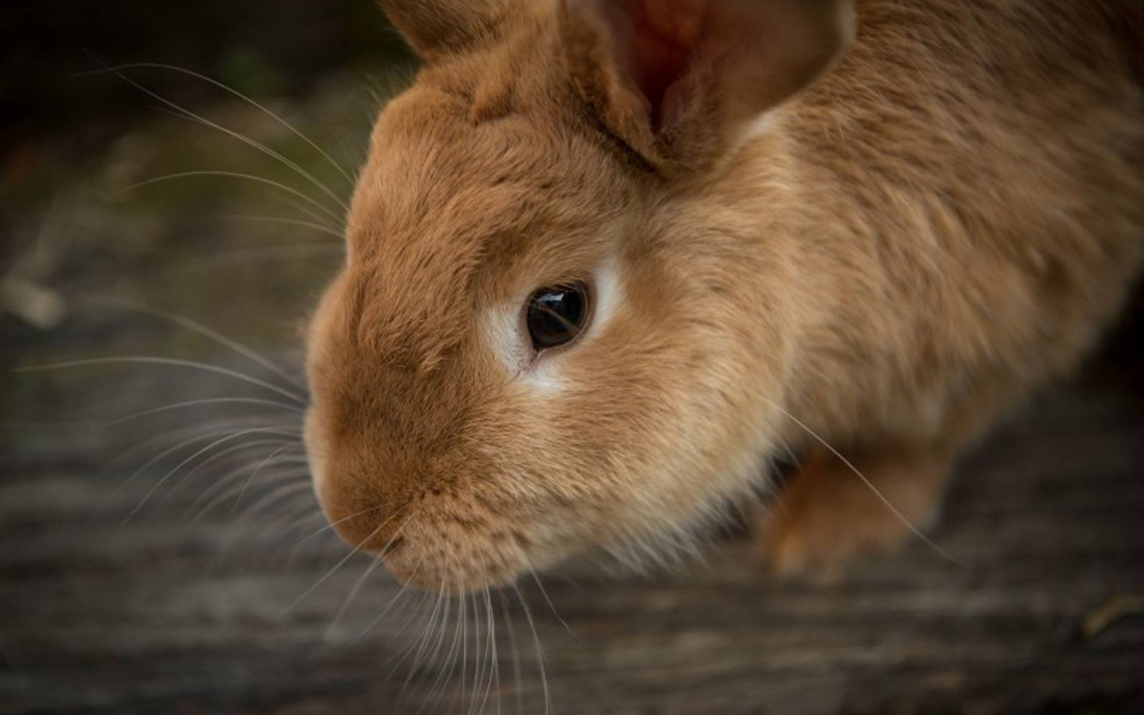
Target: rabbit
{"points": [[608, 260]]}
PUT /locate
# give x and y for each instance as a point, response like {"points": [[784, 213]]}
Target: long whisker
{"points": [[293, 486], [198, 434], [332, 525], [209, 333], [427, 636], [483, 673], [199, 403], [536, 642], [221, 484], [337, 250], [361, 581], [240, 95], [319, 227], [356, 549], [262, 465], [290, 486], [389, 605], [447, 671], [280, 158], [293, 478], [277, 185], [427, 601], [168, 362], [511, 629], [188, 460], [539, 585], [306, 211], [352, 595], [494, 658], [881, 497]]}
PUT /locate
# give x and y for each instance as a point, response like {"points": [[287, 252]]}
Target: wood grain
{"points": [[159, 614]]}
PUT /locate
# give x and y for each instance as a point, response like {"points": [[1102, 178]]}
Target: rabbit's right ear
{"points": [[683, 82], [436, 28]]}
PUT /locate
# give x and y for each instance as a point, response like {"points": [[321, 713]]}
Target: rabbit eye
{"points": [[557, 314]]}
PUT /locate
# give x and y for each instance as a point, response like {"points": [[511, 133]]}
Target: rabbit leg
{"points": [[828, 513]]}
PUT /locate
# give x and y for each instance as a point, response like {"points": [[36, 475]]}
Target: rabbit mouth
{"points": [[443, 560]]}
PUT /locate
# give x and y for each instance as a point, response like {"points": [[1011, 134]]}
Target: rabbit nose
{"points": [[372, 530]]}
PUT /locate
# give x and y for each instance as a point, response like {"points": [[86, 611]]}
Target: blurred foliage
{"points": [[113, 193], [278, 48]]}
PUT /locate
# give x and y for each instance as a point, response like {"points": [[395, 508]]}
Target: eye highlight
{"points": [[556, 315]]}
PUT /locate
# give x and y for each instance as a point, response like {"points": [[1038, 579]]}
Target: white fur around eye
{"points": [[502, 329]]}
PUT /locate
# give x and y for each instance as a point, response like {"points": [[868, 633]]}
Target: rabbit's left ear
{"points": [[436, 28], [683, 81]]}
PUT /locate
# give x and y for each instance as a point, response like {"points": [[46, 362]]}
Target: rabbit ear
{"points": [[683, 81], [434, 28]]}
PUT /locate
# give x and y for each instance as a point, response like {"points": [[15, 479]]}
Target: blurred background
{"points": [[172, 181]]}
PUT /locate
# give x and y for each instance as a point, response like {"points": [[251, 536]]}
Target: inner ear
{"points": [[680, 80], [666, 38]]}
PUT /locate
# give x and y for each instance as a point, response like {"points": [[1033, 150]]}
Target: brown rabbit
{"points": [[607, 259]]}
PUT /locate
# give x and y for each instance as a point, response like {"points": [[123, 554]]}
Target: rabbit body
{"points": [[861, 232]]}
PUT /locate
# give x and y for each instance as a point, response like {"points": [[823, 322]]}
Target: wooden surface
{"points": [[112, 610], [161, 614]]}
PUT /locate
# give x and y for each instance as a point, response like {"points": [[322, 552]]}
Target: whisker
{"points": [[213, 335], [464, 653], [319, 227], [289, 487], [429, 633], [199, 434], [427, 600], [296, 486], [280, 158], [330, 526], [477, 662], [881, 497], [450, 659], [494, 657], [352, 595], [300, 509], [536, 579], [226, 258], [199, 403], [337, 250], [240, 176], [166, 362], [315, 216], [361, 581], [233, 92], [385, 610], [224, 481], [188, 460], [516, 671], [536, 642], [427, 636], [341, 563], [226, 488], [254, 474]]}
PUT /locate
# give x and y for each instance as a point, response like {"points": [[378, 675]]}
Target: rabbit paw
{"points": [[829, 514]]}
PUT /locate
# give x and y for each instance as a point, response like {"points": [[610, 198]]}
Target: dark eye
{"points": [[556, 315]]}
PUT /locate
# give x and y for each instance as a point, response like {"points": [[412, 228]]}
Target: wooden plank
{"points": [[163, 614]]}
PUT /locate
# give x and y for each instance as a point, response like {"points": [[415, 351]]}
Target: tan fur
{"points": [[897, 255]]}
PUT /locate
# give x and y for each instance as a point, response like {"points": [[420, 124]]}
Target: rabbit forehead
{"points": [[450, 216], [432, 172]]}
